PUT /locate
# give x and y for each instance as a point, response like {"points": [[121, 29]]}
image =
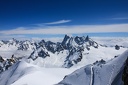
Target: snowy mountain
{"points": [[23, 62], [73, 49], [99, 73]]}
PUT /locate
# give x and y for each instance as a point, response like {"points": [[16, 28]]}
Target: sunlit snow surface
{"points": [[23, 73], [49, 71], [99, 73]]}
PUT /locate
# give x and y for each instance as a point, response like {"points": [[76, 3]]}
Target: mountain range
{"points": [[91, 60]]}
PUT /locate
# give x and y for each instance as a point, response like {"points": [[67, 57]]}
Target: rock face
{"points": [[100, 73], [117, 47], [73, 45], [125, 73], [6, 63], [26, 45]]}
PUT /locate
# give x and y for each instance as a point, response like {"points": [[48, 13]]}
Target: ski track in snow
{"points": [[92, 75]]}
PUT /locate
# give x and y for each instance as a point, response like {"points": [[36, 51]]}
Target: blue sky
{"points": [[54, 18]]}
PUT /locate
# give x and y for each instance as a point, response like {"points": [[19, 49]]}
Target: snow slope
{"points": [[24, 73], [100, 73]]}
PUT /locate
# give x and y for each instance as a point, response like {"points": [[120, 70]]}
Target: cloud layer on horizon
{"points": [[59, 30], [74, 29]]}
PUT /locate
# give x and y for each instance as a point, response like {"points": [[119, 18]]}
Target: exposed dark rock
{"points": [[43, 54], [79, 40], [117, 47], [125, 74], [50, 46]]}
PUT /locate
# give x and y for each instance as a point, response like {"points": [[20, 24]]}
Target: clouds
{"points": [[74, 29], [58, 22], [56, 31], [123, 18], [19, 37], [53, 23]]}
